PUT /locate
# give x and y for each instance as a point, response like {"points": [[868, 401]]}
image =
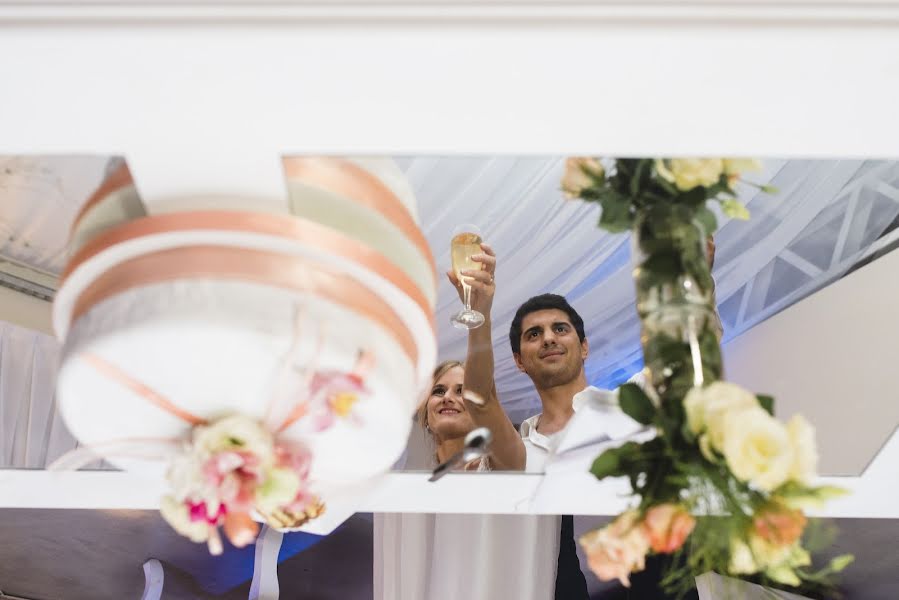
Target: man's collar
{"points": [[588, 395]]}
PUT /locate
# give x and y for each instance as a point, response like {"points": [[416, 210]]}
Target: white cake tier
{"points": [[287, 237], [214, 348], [367, 199], [195, 298]]}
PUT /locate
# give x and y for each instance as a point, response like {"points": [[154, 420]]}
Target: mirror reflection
{"points": [[538, 330], [556, 293], [561, 332]]}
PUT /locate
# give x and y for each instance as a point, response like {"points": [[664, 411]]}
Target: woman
{"points": [[446, 417], [463, 397], [471, 556]]}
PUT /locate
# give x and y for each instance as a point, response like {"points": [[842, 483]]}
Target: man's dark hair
{"points": [[543, 302]]}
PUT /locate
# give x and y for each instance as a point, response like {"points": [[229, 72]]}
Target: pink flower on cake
{"points": [[333, 395]]}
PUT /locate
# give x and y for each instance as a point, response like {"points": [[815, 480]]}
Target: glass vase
{"points": [[680, 328]]}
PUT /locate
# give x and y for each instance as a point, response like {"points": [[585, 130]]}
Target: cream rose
{"points": [[580, 174], [742, 562], [688, 173], [235, 433], [185, 475], [737, 166], [776, 560], [707, 408], [178, 516], [757, 447], [805, 453], [279, 489], [618, 549], [779, 560]]}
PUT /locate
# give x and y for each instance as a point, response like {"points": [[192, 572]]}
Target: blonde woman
{"points": [[447, 419], [463, 397], [471, 556]]}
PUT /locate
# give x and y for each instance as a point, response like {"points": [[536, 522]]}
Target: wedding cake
{"points": [[314, 317]]}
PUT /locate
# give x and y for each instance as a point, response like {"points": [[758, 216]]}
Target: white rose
{"points": [[185, 475], [757, 448], [580, 174], [805, 453], [688, 173], [707, 408], [279, 489], [779, 561], [235, 433], [178, 516]]}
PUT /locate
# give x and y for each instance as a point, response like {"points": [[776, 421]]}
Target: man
{"points": [[550, 346]]}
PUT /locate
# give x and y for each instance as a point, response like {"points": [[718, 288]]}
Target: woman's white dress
{"points": [[465, 556]]}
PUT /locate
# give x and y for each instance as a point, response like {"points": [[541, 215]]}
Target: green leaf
{"points": [[606, 464], [767, 402], [636, 404], [735, 209], [838, 563], [641, 177], [707, 219], [695, 197], [616, 212], [666, 185], [796, 495], [616, 462]]}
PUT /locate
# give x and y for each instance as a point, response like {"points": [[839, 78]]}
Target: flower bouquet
{"points": [[230, 469], [723, 484]]}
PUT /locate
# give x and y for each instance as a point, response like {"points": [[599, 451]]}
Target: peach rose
{"points": [[667, 527], [779, 525], [580, 174], [618, 549]]}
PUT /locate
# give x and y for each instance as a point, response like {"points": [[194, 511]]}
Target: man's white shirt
{"points": [[597, 421]]}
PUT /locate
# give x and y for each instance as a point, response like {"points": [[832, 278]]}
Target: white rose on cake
{"points": [[235, 434]]}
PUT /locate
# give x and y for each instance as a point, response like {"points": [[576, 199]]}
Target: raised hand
{"points": [[482, 281]]}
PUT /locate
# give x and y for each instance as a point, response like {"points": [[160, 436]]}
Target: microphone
{"points": [[477, 445]]}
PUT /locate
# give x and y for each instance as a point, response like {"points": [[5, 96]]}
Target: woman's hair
{"points": [[439, 371]]}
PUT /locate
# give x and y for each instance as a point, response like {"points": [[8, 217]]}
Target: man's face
{"points": [[551, 352]]}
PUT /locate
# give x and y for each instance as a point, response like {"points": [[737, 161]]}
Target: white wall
{"points": [[832, 357]]}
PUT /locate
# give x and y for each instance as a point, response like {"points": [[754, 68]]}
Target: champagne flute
{"points": [[466, 243]]}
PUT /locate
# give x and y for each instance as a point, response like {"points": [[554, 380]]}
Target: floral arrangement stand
{"points": [[722, 485]]}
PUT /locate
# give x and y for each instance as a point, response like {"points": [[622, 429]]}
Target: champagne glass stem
{"points": [[466, 293]]}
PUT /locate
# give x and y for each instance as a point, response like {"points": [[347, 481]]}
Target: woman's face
{"points": [[447, 415]]}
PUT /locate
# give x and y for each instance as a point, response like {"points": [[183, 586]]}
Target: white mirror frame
{"points": [[240, 84]]}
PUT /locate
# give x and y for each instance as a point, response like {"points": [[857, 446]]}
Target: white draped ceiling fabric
{"points": [[826, 216]]}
